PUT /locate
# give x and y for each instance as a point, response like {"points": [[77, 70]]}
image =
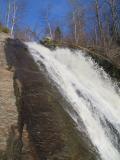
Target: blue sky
{"points": [[34, 14], [59, 9], [36, 11]]}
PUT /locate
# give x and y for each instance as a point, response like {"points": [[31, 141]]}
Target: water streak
{"points": [[91, 93]]}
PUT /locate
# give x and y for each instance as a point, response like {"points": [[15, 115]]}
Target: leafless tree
{"points": [[14, 13], [114, 12], [45, 16], [8, 13], [99, 23], [77, 22], [26, 34]]}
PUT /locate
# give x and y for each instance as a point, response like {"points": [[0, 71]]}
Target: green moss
{"points": [[48, 42], [5, 30]]}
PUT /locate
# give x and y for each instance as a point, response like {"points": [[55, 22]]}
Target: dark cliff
{"points": [[41, 109], [42, 118]]}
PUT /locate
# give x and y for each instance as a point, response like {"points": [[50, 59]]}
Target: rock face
{"points": [[44, 130], [41, 108], [113, 69], [3, 62], [8, 111], [10, 141]]}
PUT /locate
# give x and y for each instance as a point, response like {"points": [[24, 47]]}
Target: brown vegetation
{"points": [[4, 29]]}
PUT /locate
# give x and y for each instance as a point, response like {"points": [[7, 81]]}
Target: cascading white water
{"points": [[90, 92]]}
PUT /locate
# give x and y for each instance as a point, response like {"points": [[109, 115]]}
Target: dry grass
{"points": [[8, 111]]}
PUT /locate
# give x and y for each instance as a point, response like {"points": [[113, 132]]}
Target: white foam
{"points": [[90, 91]]}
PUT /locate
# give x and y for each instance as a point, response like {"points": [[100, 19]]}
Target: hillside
{"points": [[37, 121], [9, 135]]}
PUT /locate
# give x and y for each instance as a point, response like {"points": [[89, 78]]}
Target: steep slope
{"points": [[52, 132], [10, 141], [94, 98], [8, 111]]}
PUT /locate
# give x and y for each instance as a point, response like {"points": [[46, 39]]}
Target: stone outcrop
{"points": [[3, 62], [10, 140], [52, 133], [8, 111], [33, 122]]}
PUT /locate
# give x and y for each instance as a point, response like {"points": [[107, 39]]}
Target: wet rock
{"points": [[53, 134]]}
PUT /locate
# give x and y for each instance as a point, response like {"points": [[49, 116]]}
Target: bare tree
{"points": [[14, 13], [8, 13], [77, 22], [98, 18], [26, 34], [48, 22], [49, 27], [114, 12], [75, 27], [45, 16]]}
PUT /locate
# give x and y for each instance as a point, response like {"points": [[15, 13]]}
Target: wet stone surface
{"points": [[41, 109], [8, 111]]}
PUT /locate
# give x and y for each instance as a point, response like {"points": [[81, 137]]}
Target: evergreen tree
{"points": [[58, 34]]}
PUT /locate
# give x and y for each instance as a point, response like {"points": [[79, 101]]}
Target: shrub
{"points": [[1, 27], [5, 30]]}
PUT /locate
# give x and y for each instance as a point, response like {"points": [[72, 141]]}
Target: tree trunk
{"points": [[99, 23], [8, 14], [14, 17], [50, 30]]}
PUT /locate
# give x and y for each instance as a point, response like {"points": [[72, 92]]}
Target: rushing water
{"points": [[91, 93]]}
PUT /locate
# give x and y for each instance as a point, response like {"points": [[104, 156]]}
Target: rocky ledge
{"points": [[8, 111], [34, 122], [12, 146], [51, 133]]}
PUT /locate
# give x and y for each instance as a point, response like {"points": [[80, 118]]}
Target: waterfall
{"points": [[91, 93]]}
